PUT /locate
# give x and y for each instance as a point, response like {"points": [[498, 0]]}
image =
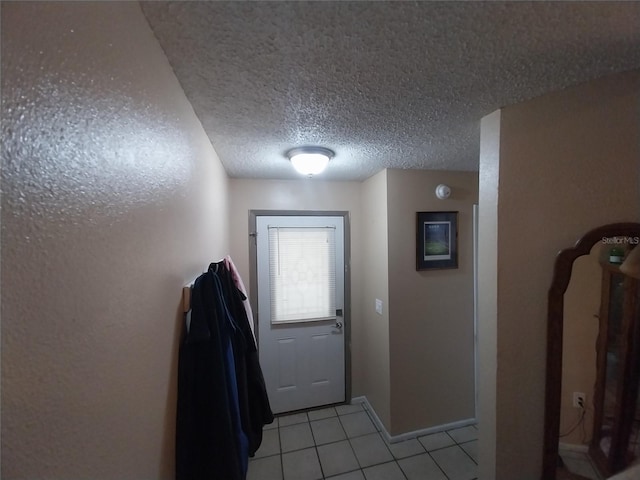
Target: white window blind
{"points": [[302, 272]]}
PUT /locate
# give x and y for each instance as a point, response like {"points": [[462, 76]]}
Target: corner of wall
{"points": [[488, 291], [375, 274]]}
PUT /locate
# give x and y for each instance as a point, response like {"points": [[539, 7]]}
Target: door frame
{"points": [[253, 276]]}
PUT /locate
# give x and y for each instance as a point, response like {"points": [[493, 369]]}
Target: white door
{"points": [[300, 266]]}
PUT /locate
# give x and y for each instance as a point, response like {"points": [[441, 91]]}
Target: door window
{"points": [[302, 273]]}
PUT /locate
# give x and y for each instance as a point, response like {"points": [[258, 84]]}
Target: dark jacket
{"points": [[222, 400], [255, 411]]}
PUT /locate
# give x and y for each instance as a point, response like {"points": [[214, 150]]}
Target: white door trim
{"points": [[253, 276]]}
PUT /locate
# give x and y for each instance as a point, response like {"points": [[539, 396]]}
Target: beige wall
{"points": [[109, 186], [430, 312], [382, 212], [304, 194], [376, 375], [567, 162]]}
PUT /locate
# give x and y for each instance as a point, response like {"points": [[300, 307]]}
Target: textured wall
{"points": [[307, 194], [112, 197], [430, 312], [568, 161]]}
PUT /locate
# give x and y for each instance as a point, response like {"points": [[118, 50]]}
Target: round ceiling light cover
{"points": [[310, 160]]}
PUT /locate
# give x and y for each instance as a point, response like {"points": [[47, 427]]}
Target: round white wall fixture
{"points": [[443, 191]]}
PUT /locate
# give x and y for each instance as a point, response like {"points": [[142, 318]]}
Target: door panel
{"points": [[303, 361], [319, 352], [286, 363]]}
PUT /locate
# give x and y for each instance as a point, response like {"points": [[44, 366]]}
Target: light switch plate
{"points": [[379, 306]]}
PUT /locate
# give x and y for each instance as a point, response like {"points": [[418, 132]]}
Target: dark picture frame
{"points": [[436, 240]]}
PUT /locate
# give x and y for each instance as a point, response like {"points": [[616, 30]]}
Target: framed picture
{"points": [[436, 240]]}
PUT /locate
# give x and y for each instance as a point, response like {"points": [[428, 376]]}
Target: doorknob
{"points": [[338, 325]]}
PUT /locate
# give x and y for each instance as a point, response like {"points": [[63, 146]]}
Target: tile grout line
{"points": [[467, 453], [438, 465], [386, 463], [459, 444], [349, 443], [348, 438], [280, 449], [399, 467], [358, 436], [455, 444], [315, 446], [337, 441]]}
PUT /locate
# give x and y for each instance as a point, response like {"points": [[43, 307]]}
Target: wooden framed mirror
{"points": [[628, 397]]}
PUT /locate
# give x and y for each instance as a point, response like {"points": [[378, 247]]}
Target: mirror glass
{"points": [[580, 334], [592, 415]]}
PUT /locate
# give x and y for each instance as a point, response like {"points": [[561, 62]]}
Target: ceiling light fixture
{"points": [[310, 160]]}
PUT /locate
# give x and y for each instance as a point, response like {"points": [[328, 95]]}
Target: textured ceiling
{"points": [[383, 84]]}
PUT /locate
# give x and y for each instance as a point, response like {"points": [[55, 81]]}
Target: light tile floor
{"points": [[579, 463], [343, 443]]}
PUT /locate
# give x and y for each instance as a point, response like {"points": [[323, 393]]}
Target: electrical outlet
{"points": [[579, 400]]}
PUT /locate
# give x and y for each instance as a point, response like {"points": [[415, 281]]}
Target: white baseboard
{"points": [[408, 435]]}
